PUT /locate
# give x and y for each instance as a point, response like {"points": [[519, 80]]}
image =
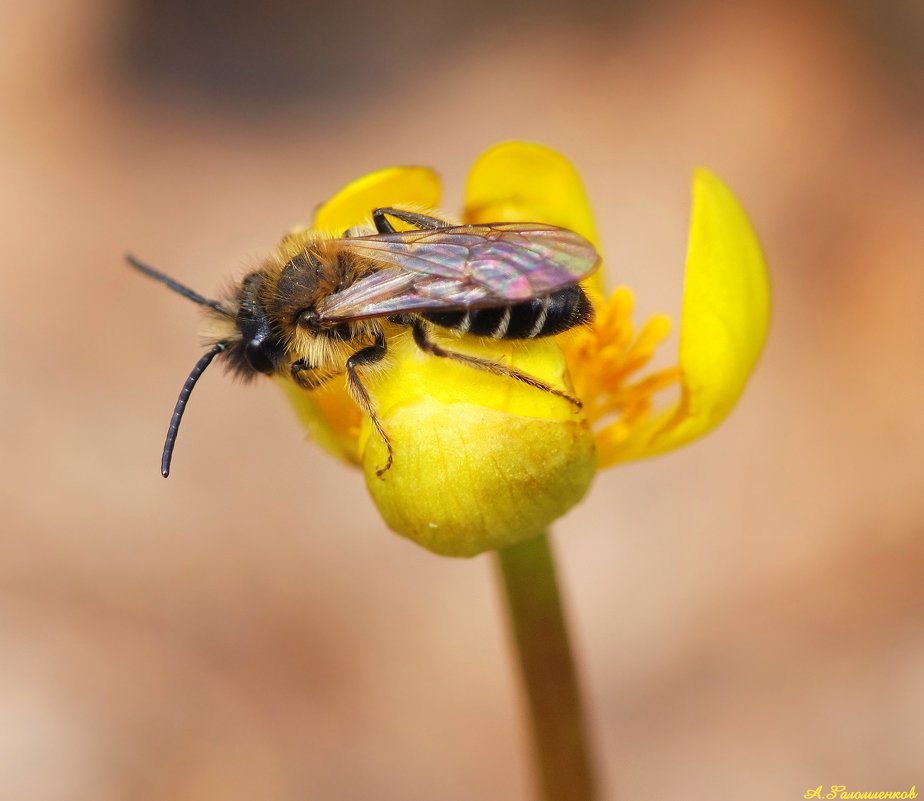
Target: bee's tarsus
{"points": [[381, 471]]}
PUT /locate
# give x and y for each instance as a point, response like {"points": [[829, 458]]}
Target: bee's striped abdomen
{"points": [[529, 319]]}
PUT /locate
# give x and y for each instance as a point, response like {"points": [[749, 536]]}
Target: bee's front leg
{"points": [[307, 376], [364, 357], [422, 221]]}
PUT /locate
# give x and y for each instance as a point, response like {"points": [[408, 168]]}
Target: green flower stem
{"points": [[562, 751]]}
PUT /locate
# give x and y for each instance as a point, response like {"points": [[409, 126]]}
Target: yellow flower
{"points": [[482, 461]]}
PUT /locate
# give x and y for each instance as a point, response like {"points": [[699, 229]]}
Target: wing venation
{"points": [[458, 268]]}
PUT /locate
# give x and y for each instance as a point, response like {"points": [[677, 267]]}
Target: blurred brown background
{"points": [[748, 611]]}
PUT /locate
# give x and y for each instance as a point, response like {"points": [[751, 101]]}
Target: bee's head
{"points": [[260, 348]]}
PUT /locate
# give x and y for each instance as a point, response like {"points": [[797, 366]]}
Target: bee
{"points": [[323, 306]]}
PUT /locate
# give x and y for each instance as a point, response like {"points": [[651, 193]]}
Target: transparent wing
{"points": [[464, 267]]}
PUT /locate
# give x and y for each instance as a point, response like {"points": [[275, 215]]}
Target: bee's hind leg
{"points": [[366, 356], [422, 221], [429, 346]]}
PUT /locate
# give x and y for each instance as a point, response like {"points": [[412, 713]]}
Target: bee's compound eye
{"points": [[308, 318], [258, 355]]}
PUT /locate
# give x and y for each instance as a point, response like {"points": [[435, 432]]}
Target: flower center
{"points": [[604, 359]]}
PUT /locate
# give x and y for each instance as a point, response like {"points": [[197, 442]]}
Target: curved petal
{"points": [[526, 182], [724, 323], [329, 414]]}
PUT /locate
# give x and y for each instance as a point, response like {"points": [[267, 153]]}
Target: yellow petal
{"points": [[481, 461], [352, 205], [329, 414], [526, 182], [724, 322]]}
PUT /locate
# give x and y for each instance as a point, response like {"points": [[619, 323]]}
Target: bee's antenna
{"points": [[176, 286], [180, 407]]}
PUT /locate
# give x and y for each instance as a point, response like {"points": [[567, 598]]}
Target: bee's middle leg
{"points": [[429, 346], [364, 357]]}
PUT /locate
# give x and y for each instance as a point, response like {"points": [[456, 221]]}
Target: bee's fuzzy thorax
{"points": [[303, 270]]}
